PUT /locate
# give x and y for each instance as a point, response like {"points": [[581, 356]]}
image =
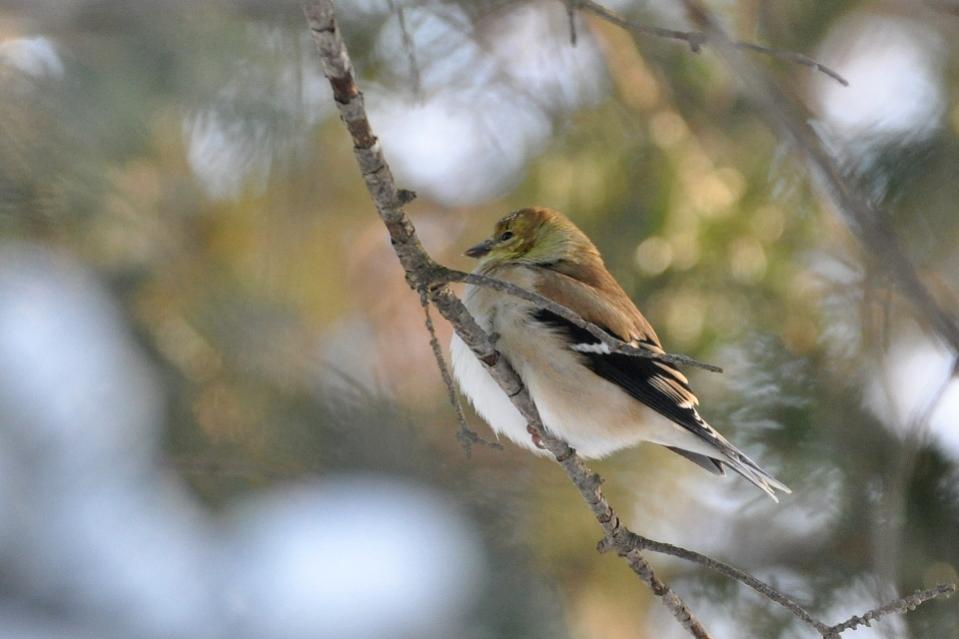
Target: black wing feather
{"points": [[665, 390], [708, 463], [636, 375], [642, 377]]}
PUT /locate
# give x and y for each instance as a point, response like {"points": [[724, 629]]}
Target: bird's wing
{"points": [[654, 383], [598, 298], [604, 303]]}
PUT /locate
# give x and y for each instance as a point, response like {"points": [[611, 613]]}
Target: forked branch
{"points": [[699, 39], [422, 275], [431, 280]]}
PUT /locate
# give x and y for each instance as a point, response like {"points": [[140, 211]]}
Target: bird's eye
{"points": [[505, 236]]}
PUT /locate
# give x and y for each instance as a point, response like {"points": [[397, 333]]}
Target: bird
{"points": [[599, 401]]}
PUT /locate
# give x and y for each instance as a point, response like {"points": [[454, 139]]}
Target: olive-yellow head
{"points": [[534, 235]]}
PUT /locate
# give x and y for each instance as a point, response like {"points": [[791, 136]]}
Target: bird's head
{"points": [[534, 236]]}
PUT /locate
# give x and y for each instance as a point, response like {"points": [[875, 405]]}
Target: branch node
{"points": [[696, 41], [605, 545], [593, 482], [405, 196], [609, 520], [490, 360]]}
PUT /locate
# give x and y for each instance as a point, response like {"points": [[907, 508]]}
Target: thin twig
{"points": [[900, 606], [642, 568], [410, 47], [698, 39], [571, 6], [464, 434], [615, 345], [626, 540]]}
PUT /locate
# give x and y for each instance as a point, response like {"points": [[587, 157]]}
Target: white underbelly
{"points": [[486, 396]]}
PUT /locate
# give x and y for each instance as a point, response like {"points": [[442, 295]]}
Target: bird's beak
{"points": [[480, 249]]}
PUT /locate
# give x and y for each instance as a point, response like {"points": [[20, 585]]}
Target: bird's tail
{"points": [[739, 462]]}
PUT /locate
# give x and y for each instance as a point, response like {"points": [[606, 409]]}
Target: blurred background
{"points": [[219, 414]]}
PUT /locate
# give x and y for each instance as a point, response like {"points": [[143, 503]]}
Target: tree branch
{"points": [[466, 436], [431, 280], [410, 47], [571, 18], [627, 540], [698, 39], [425, 277], [900, 606]]}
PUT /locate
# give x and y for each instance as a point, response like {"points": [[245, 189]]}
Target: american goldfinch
{"points": [[597, 400]]}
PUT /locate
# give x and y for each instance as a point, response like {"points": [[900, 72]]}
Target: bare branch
{"points": [[626, 541], [698, 39], [795, 57], [421, 274], [409, 46], [616, 345], [672, 601], [464, 434], [571, 6], [900, 606], [589, 485], [431, 280]]}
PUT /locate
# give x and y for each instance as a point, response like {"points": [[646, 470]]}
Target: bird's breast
{"points": [[496, 311]]}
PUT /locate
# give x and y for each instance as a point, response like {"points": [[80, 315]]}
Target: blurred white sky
{"points": [[487, 104], [35, 56], [359, 557], [484, 108], [907, 388], [894, 68]]}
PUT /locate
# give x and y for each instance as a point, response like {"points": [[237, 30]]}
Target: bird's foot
{"points": [[537, 440]]}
